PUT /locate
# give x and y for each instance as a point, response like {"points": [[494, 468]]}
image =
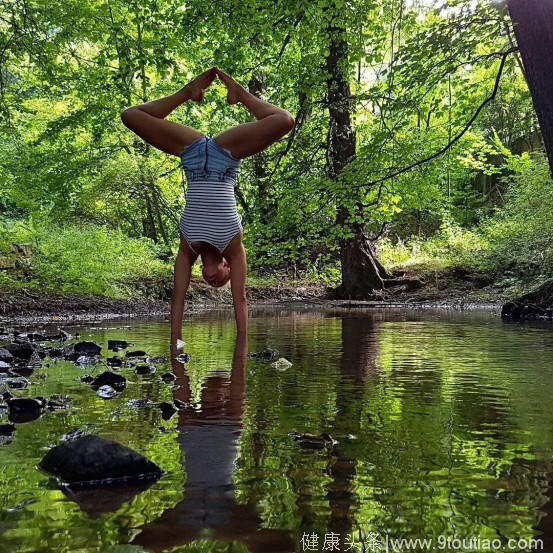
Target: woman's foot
{"points": [[195, 88], [235, 90]]}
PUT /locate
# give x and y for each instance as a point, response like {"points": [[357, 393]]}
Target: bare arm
{"points": [[238, 272], [181, 281]]}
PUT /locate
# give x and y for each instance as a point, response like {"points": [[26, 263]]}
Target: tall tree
{"points": [[533, 24], [361, 271]]}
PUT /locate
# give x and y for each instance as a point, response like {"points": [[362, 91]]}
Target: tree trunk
{"points": [[533, 24], [361, 271]]}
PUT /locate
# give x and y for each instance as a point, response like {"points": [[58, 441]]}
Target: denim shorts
{"points": [[204, 159]]}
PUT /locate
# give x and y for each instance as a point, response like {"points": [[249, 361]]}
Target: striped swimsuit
{"points": [[210, 213]]}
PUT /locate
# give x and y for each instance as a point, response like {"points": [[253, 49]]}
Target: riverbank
{"points": [[20, 304], [452, 287]]}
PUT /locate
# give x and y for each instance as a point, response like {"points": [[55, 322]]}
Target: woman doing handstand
{"points": [[210, 226]]}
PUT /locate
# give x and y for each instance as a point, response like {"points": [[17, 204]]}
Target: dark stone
{"points": [[17, 383], [519, 311], [114, 361], [135, 353], [157, 359], [5, 355], [94, 461], [108, 378], [23, 371], [116, 345], [87, 348], [55, 352], [35, 337], [267, 354], [168, 378], [58, 402], [87, 378], [25, 409], [180, 404], [145, 369], [7, 429], [21, 351], [6, 395], [4, 367], [167, 410], [183, 357]]}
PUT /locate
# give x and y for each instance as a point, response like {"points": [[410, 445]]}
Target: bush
{"points": [[87, 258]]}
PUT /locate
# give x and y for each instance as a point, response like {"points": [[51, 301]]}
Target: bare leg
{"points": [[248, 139], [148, 120]]}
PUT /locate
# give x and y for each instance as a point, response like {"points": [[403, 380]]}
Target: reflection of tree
{"points": [[358, 360], [209, 439]]}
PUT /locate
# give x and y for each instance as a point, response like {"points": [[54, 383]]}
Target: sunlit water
{"points": [[444, 424]]}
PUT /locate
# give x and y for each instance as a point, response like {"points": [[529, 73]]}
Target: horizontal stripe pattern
{"points": [[210, 213]]}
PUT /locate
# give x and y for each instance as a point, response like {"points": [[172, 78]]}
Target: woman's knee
{"points": [[128, 116]]}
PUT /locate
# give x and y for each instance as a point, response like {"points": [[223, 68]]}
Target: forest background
{"points": [[416, 147]]}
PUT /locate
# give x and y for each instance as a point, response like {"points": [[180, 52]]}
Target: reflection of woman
{"points": [[210, 226], [209, 439]]}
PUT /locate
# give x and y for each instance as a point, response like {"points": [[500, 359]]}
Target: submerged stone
{"points": [[114, 361], [5, 355], [17, 383], [281, 364], [25, 409], [94, 461], [145, 369], [7, 429], [21, 350], [267, 354], [168, 378], [109, 378], [136, 353], [106, 392], [183, 357], [116, 345], [87, 348], [167, 410]]}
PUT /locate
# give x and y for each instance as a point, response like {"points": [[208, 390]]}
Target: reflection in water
{"points": [[443, 422], [209, 439]]}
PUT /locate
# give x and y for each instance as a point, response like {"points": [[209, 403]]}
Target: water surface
{"points": [[443, 420]]}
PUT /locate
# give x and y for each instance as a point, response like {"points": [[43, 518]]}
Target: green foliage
{"points": [[417, 73], [88, 258]]}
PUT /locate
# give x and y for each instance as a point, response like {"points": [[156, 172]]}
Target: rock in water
{"points": [[281, 364], [25, 409], [145, 369], [5, 355], [108, 378], [183, 358], [106, 392], [21, 351], [116, 345], [267, 354], [7, 429], [167, 410], [87, 348], [168, 378], [136, 353], [90, 461]]}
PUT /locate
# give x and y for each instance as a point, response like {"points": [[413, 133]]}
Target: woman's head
{"points": [[216, 272]]}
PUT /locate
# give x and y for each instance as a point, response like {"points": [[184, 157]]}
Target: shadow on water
{"points": [[442, 419]]}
